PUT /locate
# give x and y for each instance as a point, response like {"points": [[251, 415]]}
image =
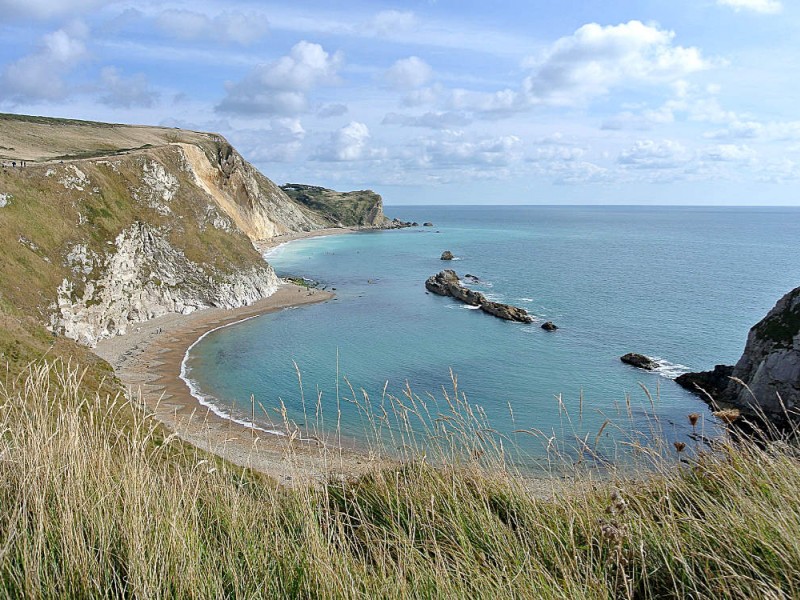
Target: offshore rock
{"points": [[446, 283], [447, 255], [549, 326], [639, 361], [427, 224]]}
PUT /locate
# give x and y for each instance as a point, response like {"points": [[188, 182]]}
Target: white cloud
{"points": [[729, 153], [739, 129], [409, 73], [45, 9], [650, 154], [230, 26], [347, 144], [432, 120], [596, 59], [126, 92], [41, 75], [457, 151], [767, 7], [332, 110], [280, 143], [280, 87], [389, 22]]}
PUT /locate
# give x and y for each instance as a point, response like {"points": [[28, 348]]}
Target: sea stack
{"points": [[447, 255]]}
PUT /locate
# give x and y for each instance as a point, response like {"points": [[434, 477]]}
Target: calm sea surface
{"points": [[681, 284]]}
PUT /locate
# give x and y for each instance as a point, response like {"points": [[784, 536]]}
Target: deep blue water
{"points": [[682, 284]]}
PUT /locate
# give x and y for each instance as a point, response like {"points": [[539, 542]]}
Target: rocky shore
{"points": [[765, 382]]}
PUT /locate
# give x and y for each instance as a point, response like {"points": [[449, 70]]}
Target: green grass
{"points": [[98, 503]]}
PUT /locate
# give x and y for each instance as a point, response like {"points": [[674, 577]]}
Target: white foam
{"points": [[276, 250], [194, 390], [528, 300], [668, 369]]}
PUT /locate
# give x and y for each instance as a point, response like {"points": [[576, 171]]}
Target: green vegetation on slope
{"points": [[95, 509], [350, 209]]}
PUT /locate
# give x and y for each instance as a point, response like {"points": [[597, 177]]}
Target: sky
{"points": [[442, 101]]}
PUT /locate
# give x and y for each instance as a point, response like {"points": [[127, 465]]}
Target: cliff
{"points": [[110, 225], [769, 367], [363, 208]]}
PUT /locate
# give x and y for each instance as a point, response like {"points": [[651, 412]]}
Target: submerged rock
{"points": [[549, 326], [446, 283], [639, 360], [447, 255]]}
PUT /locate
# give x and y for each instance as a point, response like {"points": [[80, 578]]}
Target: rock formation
{"points": [[549, 326], [446, 283], [447, 255], [427, 224], [639, 361], [135, 222], [769, 367]]}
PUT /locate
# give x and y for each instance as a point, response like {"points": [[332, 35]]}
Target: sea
{"points": [[388, 363]]}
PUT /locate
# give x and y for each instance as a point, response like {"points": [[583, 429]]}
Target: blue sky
{"points": [[645, 102]]}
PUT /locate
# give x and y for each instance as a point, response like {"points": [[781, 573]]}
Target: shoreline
{"points": [[149, 361]]}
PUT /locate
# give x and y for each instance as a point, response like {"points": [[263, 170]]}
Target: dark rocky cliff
{"points": [[768, 372]]}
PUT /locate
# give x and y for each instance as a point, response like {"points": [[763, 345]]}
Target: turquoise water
{"points": [[681, 284]]}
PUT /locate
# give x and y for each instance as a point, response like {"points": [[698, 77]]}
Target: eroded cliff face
{"points": [[165, 223], [362, 208], [257, 206], [143, 276], [766, 379], [770, 364]]}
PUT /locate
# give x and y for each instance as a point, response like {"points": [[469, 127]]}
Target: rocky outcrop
{"points": [[446, 283], [447, 255], [640, 361], [549, 326], [707, 383], [141, 277], [769, 367], [427, 224], [362, 208]]}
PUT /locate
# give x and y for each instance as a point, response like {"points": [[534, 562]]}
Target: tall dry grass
{"points": [[97, 502]]}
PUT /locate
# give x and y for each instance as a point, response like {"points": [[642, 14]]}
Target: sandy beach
{"points": [[148, 362]]}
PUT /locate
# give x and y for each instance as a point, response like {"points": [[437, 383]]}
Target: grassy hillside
{"points": [[95, 509]]}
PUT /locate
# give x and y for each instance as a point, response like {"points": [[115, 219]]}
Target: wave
{"points": [[276, 250], [668, 369], [527, 300], [206, 401]]}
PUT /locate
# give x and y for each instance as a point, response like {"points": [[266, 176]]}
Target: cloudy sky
{"points": [[442, 101]]}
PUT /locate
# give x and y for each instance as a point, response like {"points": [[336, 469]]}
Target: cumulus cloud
{"points": [[650, 154], [230, 26], [409, 73], [126, 92], [457, 151], [45, 9], [347, 144], [589, 63], [41, 74], [596, 59], [280, 87], [767, 7]]}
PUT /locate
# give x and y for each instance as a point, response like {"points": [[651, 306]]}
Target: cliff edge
{"points": [[769, 367], [109, 225]]}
